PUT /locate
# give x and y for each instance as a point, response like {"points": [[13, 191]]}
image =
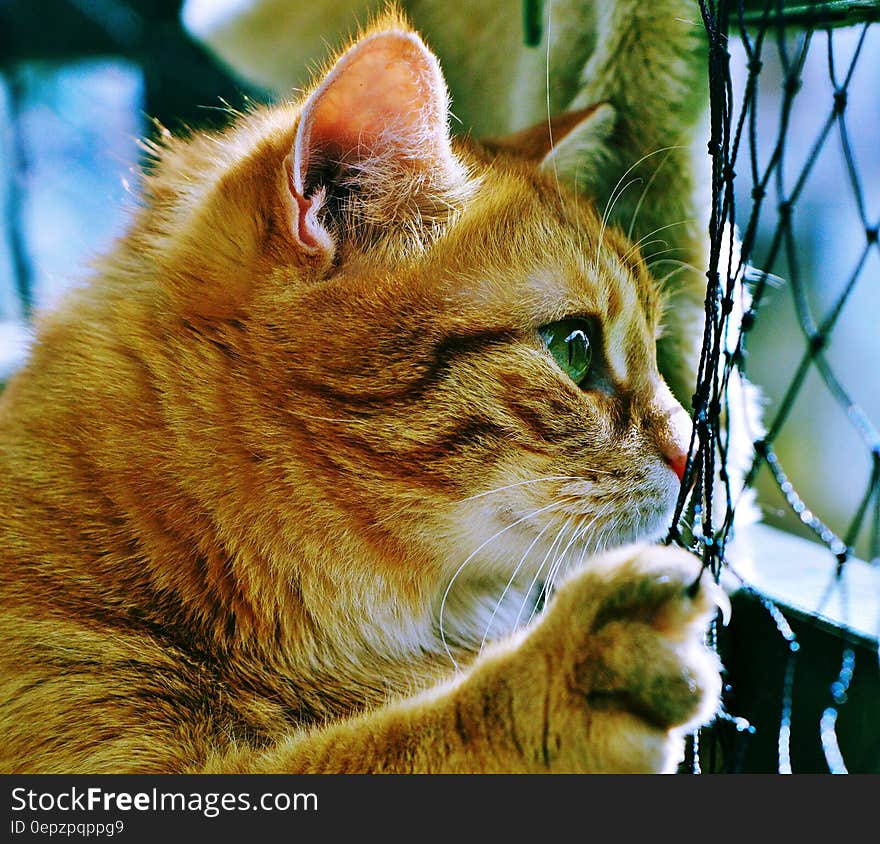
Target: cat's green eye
{"points": [[569, 342]]}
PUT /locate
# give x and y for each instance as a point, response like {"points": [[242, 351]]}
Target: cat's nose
{"points": [[676, 458], [673, 431]]}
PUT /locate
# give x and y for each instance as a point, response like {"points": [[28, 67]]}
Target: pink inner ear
{"points": [[386, 94], [377, 87]]}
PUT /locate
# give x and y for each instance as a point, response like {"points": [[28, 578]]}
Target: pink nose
{"points": [[677, 460]]}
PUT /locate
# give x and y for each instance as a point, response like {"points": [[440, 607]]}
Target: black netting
{"points": [[758, 186]]}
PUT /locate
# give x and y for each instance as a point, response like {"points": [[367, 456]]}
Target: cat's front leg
{"points": [[608, 680]]}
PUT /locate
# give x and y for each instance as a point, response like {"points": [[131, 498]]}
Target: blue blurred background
{"points": [[81, 81], [824, 454]]}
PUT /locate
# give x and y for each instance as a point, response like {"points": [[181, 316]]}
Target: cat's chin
{"points": [[476, 610], [506, 578], [482, 541], [641, 528]]}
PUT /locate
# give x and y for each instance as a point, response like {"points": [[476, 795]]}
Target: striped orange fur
{"points": [[282, 484]]}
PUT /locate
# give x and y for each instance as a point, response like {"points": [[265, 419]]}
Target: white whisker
{"points": [[541, 568], [636, 246], [682, 265], [534, 481], [586, 547], [516, 570], [639, 244], [547, 88], [473, 554], [612, 199], [554, 567], [609, 207], [649, 259], [661, 282], [638, 208]]}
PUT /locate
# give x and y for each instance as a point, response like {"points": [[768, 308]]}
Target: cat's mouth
{"points": [[507, 558], [629, 511], [567, 531]]}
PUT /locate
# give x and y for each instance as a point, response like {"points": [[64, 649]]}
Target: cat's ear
{"points": [[573, 146], [374, 132]]}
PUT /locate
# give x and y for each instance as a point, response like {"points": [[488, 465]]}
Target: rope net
{"points": [[759, 181]]}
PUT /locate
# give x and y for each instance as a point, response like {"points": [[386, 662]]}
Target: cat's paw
{"points": [[631, 674]]}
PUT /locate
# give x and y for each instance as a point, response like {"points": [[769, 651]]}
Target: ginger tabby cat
{"points": [[316, 473]]}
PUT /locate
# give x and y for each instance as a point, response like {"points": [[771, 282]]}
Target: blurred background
{"points": [[82, 80], [827, 442]]}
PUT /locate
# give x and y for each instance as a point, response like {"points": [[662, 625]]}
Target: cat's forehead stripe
{"points": [[614, 302], [621, 330], [629, 305]]}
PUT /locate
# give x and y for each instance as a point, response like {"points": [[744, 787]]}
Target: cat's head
{"points": [[423, 345]]}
